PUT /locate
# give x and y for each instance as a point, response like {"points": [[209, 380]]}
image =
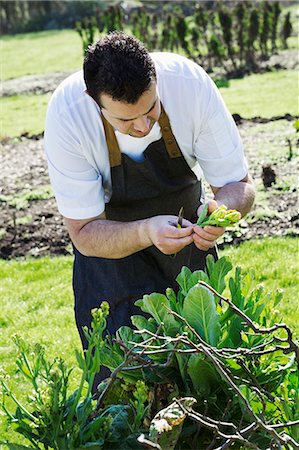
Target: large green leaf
{"points": [[142, 323], [111, 357], [174, 302], [95, 429], [182, 279], [121, 436], [182, 361], [217, 271], [120, 427], [203, 375], [200, 311], [187, 279], [158, 306], [235, 287], [126, 335], [234, 327]]}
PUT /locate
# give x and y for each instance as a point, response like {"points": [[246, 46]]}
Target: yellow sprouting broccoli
{"points": [[221, 217]]}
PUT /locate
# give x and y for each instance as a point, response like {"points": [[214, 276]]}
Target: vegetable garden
{"points": [[213, 365]]}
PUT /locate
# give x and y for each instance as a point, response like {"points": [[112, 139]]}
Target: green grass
{"points": [[37, 302], [59, 50], [23, 113], [276, 265], [40, 52], [266, 95]]}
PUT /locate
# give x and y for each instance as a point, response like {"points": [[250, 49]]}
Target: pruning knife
{"points": [[180, 217]]}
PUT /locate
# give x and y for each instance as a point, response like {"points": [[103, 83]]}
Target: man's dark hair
{"points": [[120, 66]]}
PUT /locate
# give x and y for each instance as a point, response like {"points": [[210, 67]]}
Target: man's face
{"points": [[136, 120]]}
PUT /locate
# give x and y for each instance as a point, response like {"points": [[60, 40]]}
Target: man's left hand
{"points": [[206, 237]]}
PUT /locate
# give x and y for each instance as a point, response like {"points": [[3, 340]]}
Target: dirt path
{"points": [[33, 84]]}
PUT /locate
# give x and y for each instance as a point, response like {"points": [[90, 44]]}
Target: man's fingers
{"points": [[166, 236], [169, 246], [206, 238], [209, 232], [174, 232], [202, 243], [179, 244]]}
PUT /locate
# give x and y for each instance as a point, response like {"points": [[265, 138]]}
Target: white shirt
{"points": [[76, 148]]}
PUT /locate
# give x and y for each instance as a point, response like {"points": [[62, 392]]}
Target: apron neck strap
{"points": [[112, 144], [167, 134]]}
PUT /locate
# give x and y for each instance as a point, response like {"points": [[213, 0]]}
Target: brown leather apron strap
{"points": [[168, 136], [112, 144], [171, 144]]}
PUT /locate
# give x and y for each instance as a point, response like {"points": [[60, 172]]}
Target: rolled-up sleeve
{"points": [[76, 183], [218, 146]]}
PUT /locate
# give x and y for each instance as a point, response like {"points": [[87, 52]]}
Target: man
{"points": [[126, 142]]}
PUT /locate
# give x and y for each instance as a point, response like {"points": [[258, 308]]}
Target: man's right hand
{"points": [[166, 236], [104, 238]]}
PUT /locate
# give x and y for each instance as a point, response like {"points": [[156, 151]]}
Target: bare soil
{"points": [[37, 228]]}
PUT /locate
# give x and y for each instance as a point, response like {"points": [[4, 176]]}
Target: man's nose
{"points": [[142, 124]]}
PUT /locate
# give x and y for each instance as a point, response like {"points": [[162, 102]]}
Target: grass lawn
{"points": [[37, 302], [266, 95], [40, 52], [276, 265], [23, 113]]}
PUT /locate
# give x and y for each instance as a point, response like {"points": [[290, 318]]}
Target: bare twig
{"points": [[293, 346], [147, 443]]}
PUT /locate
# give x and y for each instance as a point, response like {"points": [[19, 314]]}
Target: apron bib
{"points": [[160, 184]]}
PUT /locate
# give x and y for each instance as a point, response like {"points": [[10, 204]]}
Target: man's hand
{"points": [[206, 237], [164, 234], [112, 239]]}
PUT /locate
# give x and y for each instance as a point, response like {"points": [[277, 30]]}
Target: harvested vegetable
{"points": [[221, 217]]}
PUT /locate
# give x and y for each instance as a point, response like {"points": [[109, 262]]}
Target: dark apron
{"points": [[161, 184]]}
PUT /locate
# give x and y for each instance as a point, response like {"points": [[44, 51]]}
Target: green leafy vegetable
{"points": [[200, 312]]}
